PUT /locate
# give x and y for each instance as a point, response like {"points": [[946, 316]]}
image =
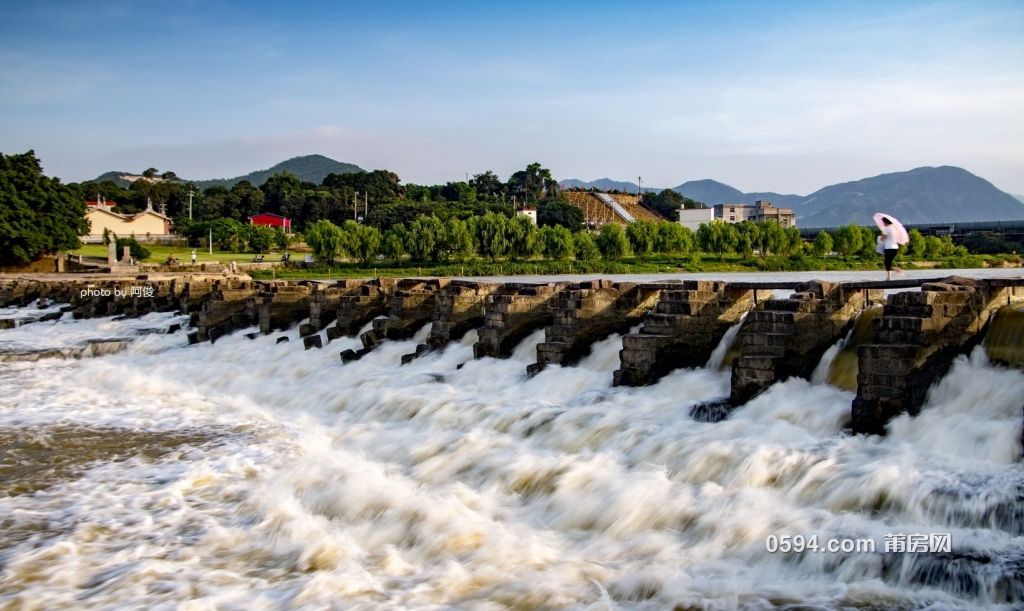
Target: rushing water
{"points": [[255, 475]]}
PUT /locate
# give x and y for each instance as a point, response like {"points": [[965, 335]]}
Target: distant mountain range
{"points": [[922, 195], [605, 184], [308, 168]]}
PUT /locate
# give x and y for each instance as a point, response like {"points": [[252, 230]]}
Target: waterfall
{"points": [[252, 474], [838, 366], [1004, 341], [728, 348]]}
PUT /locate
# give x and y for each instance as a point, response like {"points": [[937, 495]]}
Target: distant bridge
{"points": [[1013, 230]]}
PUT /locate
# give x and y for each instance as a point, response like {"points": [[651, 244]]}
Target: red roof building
{"points": [[272, 220]]}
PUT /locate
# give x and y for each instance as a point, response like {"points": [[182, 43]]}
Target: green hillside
{"points": [[308, 168]]}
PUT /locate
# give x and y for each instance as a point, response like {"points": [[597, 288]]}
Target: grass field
{"points": [[160, 253], [479, 267], [654, 265]]}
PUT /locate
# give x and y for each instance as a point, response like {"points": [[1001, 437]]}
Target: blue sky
{"points": [[786, 97]]}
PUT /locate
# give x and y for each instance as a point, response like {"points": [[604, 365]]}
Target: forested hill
{"points": [[712, 193], [308, 168], [922, 195]]}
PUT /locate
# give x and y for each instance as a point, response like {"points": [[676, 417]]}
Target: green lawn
{"points": [[654, 265], [160, 253], [477, 267]]}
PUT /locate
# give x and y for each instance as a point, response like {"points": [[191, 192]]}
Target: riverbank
{"points": [[629, 266]]}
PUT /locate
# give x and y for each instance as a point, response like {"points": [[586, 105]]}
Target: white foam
{"points": [[372, 484]]}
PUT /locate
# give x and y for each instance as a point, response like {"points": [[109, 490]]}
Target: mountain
{"points": [[712, 193], [921, 195], [1020, 197], [605, 184], [308, 168]]}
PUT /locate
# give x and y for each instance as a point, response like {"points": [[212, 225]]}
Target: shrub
{"points": [[135, 250], [586, 248], [612, 242]]}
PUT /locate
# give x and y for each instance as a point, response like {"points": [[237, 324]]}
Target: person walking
{"points": [[893, 234]]}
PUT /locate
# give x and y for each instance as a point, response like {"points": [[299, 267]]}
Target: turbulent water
{"points": [[255, 475]]}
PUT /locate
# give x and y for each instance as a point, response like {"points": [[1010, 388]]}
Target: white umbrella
{"points": [[896, 229]]}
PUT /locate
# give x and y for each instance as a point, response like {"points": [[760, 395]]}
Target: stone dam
{"points": [[923, 325]]}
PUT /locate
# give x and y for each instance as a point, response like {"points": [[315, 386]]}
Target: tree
{"points": [[916, 245], [458, 239], [327, 241], [491, 235], [533, 183], [748, 236], [822, 244], [868, 241], [586, 248], [397, 212], [487, 183], [988, 243], [422, 239], [38, 215], [556, 242], [225, 231], [242, 201], [847, 240], [281, 239], [674, 239], [522, 238], [259, 237], [557, 211], [717, 237], [283, 194], [612, 242], [667, 203], [149, 173], [794, 241], [378, 186], [771, 238], [642, 236], [136, 251], [363, 241], [394, 243]]}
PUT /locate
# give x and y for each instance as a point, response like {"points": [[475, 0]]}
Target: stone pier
{"points": [[323, 307], [683, 329], [460, 309], [282, 304], [787, 337], [193, 295], [226, 310], [354, 311], [512, 315], [587, 312], [916, 339], [411, 306]]}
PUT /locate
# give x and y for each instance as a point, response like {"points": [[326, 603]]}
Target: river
{"points": [[251, 474]]}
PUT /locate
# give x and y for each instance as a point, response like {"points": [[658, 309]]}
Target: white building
{"points": [[692, 218], [735, 213], [528, 212], [761, 211]]}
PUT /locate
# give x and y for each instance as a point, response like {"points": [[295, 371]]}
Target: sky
{"points": [[784, 96]]}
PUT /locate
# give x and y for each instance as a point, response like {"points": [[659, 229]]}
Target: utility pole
{"points": [[366, 206], [210, 244], [190, 203], [355, 202]]}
